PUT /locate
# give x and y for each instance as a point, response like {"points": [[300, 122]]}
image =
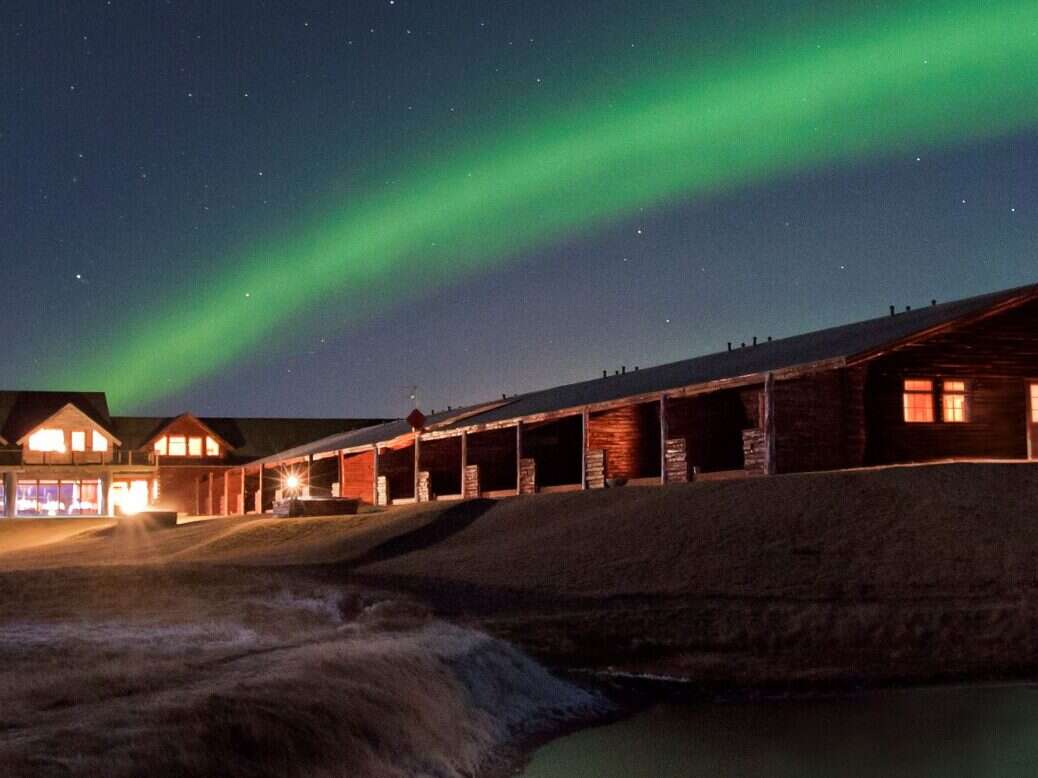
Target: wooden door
{"points": [[1032, 420]]}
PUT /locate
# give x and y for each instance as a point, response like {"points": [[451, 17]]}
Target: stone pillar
{"points": [[104, 499], [11, 494], [676, 470], [381, 490], [754, 451], [595, 468], [424, 493], [527, 476], [470, 482]]}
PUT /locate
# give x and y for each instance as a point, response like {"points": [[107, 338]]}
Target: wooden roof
{"points": [[827, 348], [23, 411]]}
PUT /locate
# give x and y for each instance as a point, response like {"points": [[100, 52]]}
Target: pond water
{"points": [[948, 732]]}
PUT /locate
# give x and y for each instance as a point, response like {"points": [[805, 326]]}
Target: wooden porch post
{"points": [[241, 498], [585, 418], [374, 474], [226, 507], [309, 470], [769, 424], [209, 507], [417, 463], [518, 455], [198, 495], [663, 438]]}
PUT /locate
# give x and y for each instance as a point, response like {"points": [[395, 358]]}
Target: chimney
{"points": [[605, 373], [623, 369], [729, 345], [743, 344], [891, 310], [769, 338], [754, 340], [933, 302], [908, 308], [635, 368]]}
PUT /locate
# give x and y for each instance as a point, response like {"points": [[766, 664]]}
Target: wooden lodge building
{"points": [[955, 380], [63, 454]]}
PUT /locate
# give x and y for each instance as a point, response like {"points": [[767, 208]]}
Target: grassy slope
{"points": [[872, 575]]}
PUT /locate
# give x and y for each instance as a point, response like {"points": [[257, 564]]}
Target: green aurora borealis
{"points": [[926, 76]]}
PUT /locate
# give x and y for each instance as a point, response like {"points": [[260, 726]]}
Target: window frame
{"points": [[964, 394], [907, 392], [212, 446], [99, 444], [180, 439]]}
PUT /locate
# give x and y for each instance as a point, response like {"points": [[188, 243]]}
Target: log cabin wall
{"points": [[323, 473], [272, 477], [441, 458], [251, 485], [397, 465], [630, 436], [358, 476], [995, 357], [177, 486], [809, 423], [557, 448], [494, 452], [712, 425]]}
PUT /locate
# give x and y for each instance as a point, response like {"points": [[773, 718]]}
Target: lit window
{"points": [[160, 446], [1034, 403], [212, 448], [194, 447], [47, 440], [953, 401], [918, 401], [78, 440], [177, 446], [99, 442]]}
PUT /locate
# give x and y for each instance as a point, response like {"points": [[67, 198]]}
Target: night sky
{"points": [[307, 208]]}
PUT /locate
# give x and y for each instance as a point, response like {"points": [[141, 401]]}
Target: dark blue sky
{"points": [[141, 142]]}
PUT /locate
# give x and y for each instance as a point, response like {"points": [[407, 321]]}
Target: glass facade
{"points": [[58, 498]]}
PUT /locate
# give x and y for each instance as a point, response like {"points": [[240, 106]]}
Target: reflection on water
{"points": [[947, 732]]}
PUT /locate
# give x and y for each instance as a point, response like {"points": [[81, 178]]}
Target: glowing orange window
{"points": [[918, 401], [953, 401], [1034, 403]]}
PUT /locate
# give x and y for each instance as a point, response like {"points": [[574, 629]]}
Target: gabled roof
{"points": [[828, 347], [78, 414], [22, 411], [190, 417], [246, 438]]}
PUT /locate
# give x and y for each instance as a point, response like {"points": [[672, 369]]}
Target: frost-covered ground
{"points": [[282, 680]]}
